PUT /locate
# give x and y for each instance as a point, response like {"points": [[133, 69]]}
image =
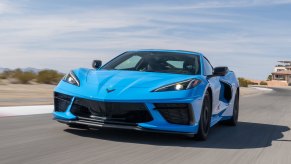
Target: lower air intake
{"points": [[111, 111], [176, 113], [61, 102]]}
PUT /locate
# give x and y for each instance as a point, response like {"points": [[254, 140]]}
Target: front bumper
{"points": [[119, 126], [158, 123]]}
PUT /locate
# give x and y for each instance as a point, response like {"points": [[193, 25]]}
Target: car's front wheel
{"points": [[205, 118]]}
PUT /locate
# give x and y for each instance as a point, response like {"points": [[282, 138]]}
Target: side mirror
{"points": [[220, 71], [96, 64]]}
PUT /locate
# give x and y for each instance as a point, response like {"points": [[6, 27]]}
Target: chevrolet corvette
{"points": [[164, 91]]}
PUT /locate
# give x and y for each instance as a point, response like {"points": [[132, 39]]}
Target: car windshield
{"points": [[153, 61]]}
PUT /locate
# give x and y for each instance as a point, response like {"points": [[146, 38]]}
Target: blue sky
{"points": [[249, 36]]}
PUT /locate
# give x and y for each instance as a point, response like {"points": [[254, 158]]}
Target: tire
{"points": [[234, 119], [78, 126], [205, 118]]}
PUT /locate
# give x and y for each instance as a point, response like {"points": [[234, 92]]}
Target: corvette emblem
{"points": [[109, 90]]}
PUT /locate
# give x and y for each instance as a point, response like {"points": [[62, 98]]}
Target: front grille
{"points": [[61, 102], [111, 111], [176, 113]]}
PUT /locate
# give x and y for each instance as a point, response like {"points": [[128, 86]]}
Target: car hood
{"points": [[132, 79], [122, 85]]}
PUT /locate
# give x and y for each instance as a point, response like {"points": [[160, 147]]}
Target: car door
{"points": [[214, 84]]}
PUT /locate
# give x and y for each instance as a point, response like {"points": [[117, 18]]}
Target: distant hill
{"points": [[3, 69], [27, 69], [30, 69]]}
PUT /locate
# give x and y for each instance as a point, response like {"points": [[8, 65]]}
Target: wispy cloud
{"points": [[215, 4], [6, 7]]}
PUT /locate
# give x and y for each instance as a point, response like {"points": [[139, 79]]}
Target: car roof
{"points": [[164, 50]]}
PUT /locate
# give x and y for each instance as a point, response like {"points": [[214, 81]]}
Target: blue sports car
{"points": [[165, 91]]}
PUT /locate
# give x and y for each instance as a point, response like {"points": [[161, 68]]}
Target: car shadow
{"points": [[245, 135]]}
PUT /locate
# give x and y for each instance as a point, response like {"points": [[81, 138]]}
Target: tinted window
{"points": [[208, 70], [154, 61], [177, 64], [129, 63]]}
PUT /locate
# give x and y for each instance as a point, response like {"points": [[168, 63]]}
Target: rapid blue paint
{"points": [[134, 86]]}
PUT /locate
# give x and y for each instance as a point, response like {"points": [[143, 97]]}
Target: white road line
{"points": [[263, 89], [25, 110]]}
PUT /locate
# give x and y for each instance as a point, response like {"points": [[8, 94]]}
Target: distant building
{"points": [[282, 72]]}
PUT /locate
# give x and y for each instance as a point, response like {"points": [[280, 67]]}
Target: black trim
{"points": [[101, 120], [61, 102], [111, 111], [227, 91], [118, 126]]}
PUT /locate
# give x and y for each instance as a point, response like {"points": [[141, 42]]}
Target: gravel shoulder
{"points": [[250, 91], [23, 95]]}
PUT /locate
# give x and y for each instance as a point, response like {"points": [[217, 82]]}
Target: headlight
{"points": [[183, 85], [72, 79]]}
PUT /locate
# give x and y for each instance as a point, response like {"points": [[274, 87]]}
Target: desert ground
{"points": [[20, 94]]}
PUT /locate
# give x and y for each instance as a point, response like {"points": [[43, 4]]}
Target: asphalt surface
{"points": [[262, 136]]}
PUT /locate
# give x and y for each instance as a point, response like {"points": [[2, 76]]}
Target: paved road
{"points": [[262, 136]]}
